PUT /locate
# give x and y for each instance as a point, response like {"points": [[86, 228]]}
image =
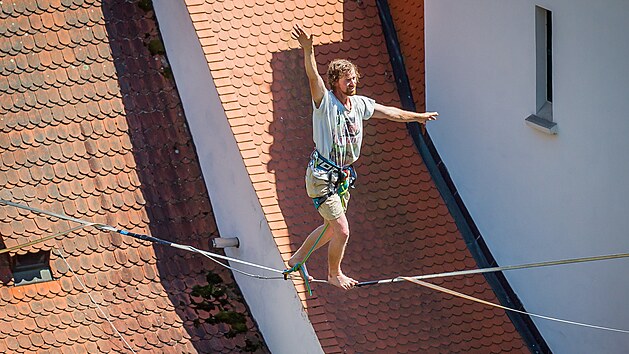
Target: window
{"points": [[31, 268], [544, 57], [543, 118]]}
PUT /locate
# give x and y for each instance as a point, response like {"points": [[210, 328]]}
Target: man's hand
{"points": [[424, 117], [304, 39], [317, 86]]}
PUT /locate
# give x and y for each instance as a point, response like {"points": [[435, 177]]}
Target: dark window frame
{"points": [[30, 268]]}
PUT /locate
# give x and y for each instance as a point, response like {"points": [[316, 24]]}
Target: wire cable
{"points": [[45, 238], [416, 279], [186, 248], [108, 228], [498, 269], [238, 270], [488, 303], [94, 301]]}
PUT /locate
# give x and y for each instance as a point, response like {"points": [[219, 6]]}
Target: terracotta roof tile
{"points": [[74, 146]]}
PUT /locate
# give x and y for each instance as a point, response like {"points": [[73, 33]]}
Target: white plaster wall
{"points": [[273, 303], [537, 197]]}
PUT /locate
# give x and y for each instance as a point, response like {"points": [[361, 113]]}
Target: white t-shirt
{"points": [[338, 132]]}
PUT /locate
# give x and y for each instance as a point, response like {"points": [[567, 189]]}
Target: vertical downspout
{"points": [[473, 239]]}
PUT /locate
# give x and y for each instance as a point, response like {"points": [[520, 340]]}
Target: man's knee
{"points": [[340, 227]]}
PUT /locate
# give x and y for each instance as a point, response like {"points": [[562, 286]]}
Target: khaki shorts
{"points": [[317, 186]]}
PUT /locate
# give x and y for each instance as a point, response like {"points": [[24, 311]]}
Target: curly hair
{"points": [[338, 68]]}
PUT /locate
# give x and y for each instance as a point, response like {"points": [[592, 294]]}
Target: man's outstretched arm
{"points": [[400, 115], [317, 86]]}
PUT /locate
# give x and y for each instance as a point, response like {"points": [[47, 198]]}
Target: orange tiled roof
{"points": [[399, 223], [91, 126]]}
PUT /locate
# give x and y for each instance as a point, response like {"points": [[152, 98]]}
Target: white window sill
{"points": [[541, 124], [543, 119]]}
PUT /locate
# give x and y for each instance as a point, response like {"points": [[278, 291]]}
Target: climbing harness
{"points": [[301, 266], [340, 179]]}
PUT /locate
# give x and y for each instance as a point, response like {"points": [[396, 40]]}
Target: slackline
{"points": [[419, 280]]}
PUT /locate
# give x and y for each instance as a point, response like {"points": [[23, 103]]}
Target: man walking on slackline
{"points": [[337, 120]]}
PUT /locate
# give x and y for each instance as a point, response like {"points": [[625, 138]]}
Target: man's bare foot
{"points": [[303, 272], [342, 281]]}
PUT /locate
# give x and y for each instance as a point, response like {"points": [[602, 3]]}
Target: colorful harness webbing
{"points": [[340, 178]]}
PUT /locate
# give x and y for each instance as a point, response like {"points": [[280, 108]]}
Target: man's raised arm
{"points": [[317, 86]]}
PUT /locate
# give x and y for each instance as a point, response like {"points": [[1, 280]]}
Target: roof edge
{"points": [[441, 177]]}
